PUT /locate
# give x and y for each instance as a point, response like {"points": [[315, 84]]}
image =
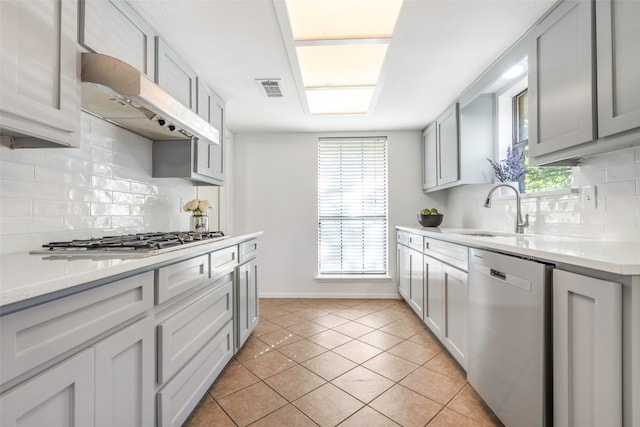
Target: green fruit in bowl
{"points": [[426, 212], [434, 211]]}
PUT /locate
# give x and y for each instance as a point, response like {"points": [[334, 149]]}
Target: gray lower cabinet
{"points": [[40, 81], [410, 272], [115, 28], [587, 351], [247, 300], [446, 289], [618, 65], [62, 396], [124, 377], [195, 342]]}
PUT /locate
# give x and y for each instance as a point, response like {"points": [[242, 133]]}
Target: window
{"points": [[352, 206], [537, 178]]}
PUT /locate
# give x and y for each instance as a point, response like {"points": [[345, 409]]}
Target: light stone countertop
{"points": [[609, 256], [25, 276]]}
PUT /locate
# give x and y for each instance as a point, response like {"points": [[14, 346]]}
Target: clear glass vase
{"points": [[200, 223]]}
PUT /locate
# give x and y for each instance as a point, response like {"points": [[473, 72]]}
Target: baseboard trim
{"points": [[331, 295]]}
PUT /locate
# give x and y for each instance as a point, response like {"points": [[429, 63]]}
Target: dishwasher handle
{"points": [[498, 274], [506, 278]]}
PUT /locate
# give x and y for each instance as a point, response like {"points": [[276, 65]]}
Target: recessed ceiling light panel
{"points": [[339, 19], [340, 100], [341, 65]]}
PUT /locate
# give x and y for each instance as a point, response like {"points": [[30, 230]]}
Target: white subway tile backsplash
{"points": [[623, 173], [104, 187], [22, 225], [104, 183], [15, 207], [16, 171], [47, 174], [87, 222], [109, 209], [60, 208], [616, 178]]}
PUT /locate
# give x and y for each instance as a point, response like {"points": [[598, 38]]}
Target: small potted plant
{"points": [[510, 169], [199, 218]]}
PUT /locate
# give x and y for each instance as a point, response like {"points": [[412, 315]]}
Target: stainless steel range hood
{"points": [[121, 94]]}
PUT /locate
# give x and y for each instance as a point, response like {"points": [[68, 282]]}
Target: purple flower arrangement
{"points": [[511, 168]]}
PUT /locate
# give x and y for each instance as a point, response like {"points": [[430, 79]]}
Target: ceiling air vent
{"points": [[270, 88]]}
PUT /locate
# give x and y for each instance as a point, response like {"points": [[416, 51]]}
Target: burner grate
{"points": [[135, 242]]}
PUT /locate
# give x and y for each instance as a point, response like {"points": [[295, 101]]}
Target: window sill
{"points": [[352, 277]]}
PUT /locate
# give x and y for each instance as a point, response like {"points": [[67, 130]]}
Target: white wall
{"points": [[616, 177], [275, 190], [102, 188]]}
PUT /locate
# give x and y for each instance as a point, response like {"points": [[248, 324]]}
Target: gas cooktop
{"points": [[142, 243]]}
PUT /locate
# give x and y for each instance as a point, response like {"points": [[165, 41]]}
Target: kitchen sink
{"points": [[485, 234]]}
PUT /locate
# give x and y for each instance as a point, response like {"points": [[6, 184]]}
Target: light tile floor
{"points": [[346, 362]]}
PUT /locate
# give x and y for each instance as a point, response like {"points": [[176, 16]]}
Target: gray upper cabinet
{"points": [[618, 65], [561, 108], [194, 160], [39, 81], [457, 145], [569, 118], [115, 28], [175, 75], [211, 108], [448, 146], [430, 160]]}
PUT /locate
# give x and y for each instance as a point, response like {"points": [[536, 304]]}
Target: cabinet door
{"points": [[561, 92], [618, 61], [115, 28], [416, 285], [124, 374], [247, 297], [454, 336], [211, 109], [175, 75], [587, 351], [434, 305], [430, 159], [63, 396], [39, 79], [404, 273], [448, 146]]}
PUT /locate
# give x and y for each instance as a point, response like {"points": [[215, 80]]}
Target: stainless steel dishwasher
{"points": [[509, 342]]}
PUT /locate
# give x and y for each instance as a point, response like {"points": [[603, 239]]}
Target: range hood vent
{"points": [[119, 93], [270, 88]]}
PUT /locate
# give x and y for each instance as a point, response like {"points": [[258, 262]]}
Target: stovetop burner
{"points": [[142, 242]]}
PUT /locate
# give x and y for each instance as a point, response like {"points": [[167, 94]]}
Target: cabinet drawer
{"points": [[180, 396], [180, 277], [223, 261], [248, 250], [450, 253], [414, 241], [36, 335], [182, 335]]}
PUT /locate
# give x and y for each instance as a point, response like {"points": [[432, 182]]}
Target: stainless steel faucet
{"points": [[519, 225]]}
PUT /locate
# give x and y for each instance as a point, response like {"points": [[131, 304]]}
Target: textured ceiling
{"points": [[438, 48]]}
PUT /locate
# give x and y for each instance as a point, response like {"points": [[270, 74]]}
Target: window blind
{"points": [[352, 206]]}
